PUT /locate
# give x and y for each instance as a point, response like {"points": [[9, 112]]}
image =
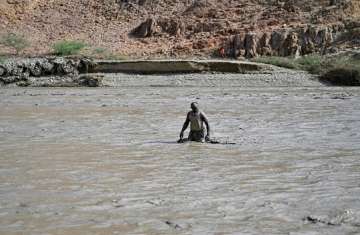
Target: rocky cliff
{"points": [[187, 28]]}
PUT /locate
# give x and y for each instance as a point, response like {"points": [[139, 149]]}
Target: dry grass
{"points": [[337, 70]]}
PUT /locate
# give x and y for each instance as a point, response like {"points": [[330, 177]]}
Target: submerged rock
{"points": [[337, 219]]}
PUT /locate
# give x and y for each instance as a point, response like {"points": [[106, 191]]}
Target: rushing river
{"points": [[105, 161]]}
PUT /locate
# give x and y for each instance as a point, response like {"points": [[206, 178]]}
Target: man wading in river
{"points": [[196, 118]]}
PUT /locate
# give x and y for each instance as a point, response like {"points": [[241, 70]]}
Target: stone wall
{"points": [[54, 71]]}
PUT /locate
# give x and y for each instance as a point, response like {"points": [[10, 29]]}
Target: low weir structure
{"points": [[178, 66]]}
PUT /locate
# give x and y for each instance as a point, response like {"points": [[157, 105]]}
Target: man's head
{"points": [[194, 107]]}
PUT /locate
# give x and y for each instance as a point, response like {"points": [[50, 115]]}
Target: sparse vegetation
{"points": [[103, 53], [63, 48], [112, 56], [311, 63], [284, 62], [14, 41], [337, 70], [99, 51]]}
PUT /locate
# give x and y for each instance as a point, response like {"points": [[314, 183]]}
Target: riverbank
{"points": [[341, 70], [75, 72]]}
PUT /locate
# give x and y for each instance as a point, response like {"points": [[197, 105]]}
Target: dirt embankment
{"points": [[184, 28]]}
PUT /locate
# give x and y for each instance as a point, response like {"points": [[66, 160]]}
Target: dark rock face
{"points": [[145, 29], [27, 72], [250, 44], [284, 42], [290, 45], [152, 27], [264, 45], [238, 46]]}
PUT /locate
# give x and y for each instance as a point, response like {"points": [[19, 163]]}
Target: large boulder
{"points": [[145, 29], [277, 41], [35, 69], [90, 80], [151, 27], [316, 39], [250, 44], [264, 47], [291, 45], [238, 48]]}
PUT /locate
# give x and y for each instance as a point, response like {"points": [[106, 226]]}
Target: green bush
{"points": [[63, 48], [103, 53], [14, 41], [311, 63]]}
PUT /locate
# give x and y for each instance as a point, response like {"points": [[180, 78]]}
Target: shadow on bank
{"points": [[341, 77]]}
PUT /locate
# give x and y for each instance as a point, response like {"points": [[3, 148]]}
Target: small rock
{"points": [[35, 69], [3, 71], [173, 225], [91, 80]]}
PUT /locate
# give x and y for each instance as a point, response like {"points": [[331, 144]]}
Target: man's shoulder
{"points": [[202, 113]]}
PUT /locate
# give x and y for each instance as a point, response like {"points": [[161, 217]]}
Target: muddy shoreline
{"points": [[82, 72]]}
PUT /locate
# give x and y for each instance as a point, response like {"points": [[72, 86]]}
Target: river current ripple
{"points": [[105, 161]]}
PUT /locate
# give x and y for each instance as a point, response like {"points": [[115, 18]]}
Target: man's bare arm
{"points": [[186, 124], [204, 118]]}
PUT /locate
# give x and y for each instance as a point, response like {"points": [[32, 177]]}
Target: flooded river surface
{"points": [[105, 161]]}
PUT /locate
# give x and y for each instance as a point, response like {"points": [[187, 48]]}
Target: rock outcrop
{"points": [[56, 71], [284, 42], [170, 28], [145, 29], [156, 27]]}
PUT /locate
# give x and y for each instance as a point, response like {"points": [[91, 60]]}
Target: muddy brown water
{"points": [[105, 161]]}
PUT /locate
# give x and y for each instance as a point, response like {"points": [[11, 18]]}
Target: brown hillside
{"points": [[182, 27]]}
